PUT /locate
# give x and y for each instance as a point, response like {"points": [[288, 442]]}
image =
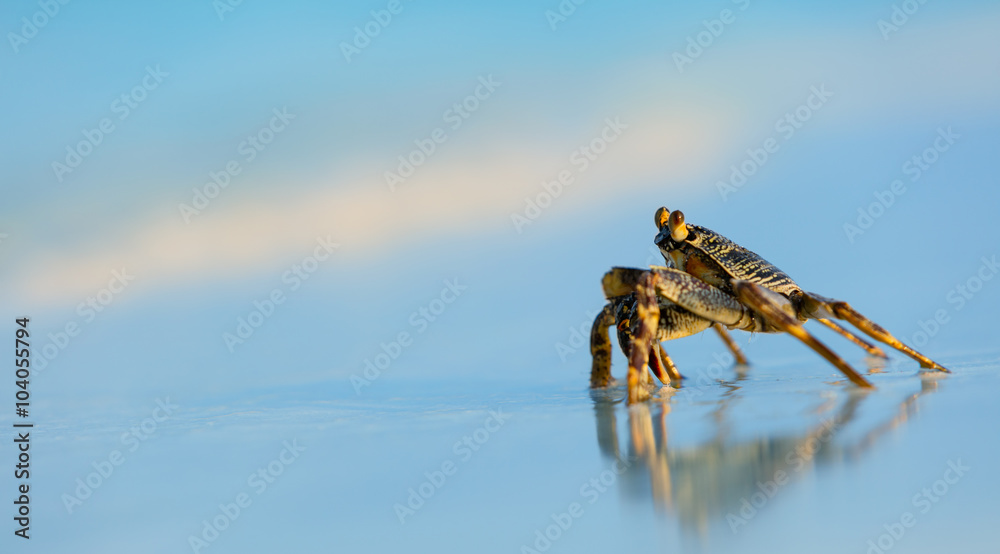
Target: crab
{"points": [[710, 281]]}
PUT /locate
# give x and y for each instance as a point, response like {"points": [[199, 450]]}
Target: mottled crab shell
{"points": [[717, 260]]}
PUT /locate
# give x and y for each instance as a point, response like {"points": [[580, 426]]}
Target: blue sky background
{"points": [[323, 176]]}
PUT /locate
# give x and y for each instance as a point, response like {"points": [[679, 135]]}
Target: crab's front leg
{"points": [[689, 307], [647, 313], [620, 312]]}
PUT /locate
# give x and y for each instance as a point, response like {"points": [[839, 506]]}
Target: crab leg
{"points": [[648, 314], [626, 311], [668, 364], [771, 305], [869, 347], [600, 347], [819, 306], [731, 344], [660, 364], [657, 365]]}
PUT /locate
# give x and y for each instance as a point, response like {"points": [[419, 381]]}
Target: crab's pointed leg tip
{"points": [[861, 382], [935, 366]]}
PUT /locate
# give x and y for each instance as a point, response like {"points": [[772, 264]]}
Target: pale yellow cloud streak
{"points": [[466, 192]]}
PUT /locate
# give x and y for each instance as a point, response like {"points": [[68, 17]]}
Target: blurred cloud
{"points": [[476, 192]]}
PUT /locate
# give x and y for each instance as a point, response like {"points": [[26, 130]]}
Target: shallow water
{"points": [[768, 460]]}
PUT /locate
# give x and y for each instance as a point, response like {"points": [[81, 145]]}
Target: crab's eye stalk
{"points": [[661, 217], [678, 231]]}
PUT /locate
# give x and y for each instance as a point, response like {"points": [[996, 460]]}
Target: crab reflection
{"points": [[716, 479]]}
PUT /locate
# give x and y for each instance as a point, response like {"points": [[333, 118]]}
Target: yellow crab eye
{"points": [[661, 217], [678, 230]]}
